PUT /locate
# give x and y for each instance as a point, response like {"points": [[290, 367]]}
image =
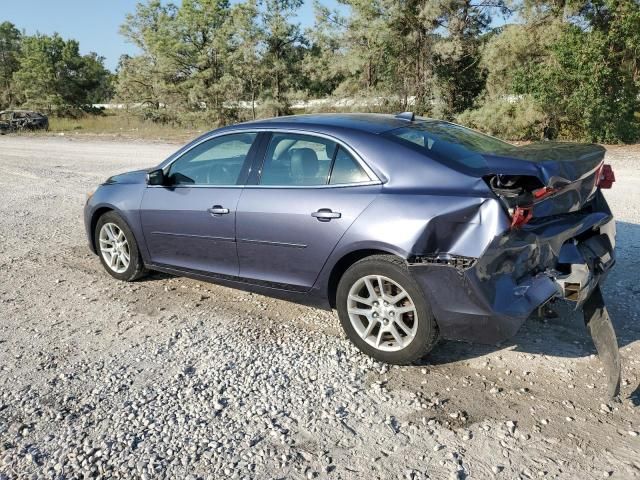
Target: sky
{"points": [[94, 23]]}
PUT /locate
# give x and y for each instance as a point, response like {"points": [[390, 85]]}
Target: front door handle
{"points": [[218, 210], [326, 214]]}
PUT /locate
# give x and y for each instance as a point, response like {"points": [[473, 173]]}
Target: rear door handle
{"points": [[218, 210], [326, 214]]}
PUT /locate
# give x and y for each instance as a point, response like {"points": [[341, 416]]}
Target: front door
{"points": [[190, 222], [309, 192]]}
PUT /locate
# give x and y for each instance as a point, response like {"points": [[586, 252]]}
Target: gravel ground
{"points": [[172, 378]]}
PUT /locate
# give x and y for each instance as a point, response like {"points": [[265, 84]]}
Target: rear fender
{"points": [[416, 227], [518, 273]]}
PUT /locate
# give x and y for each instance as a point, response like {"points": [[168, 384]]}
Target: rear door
{"points": [[190, 223], [307, 193]]}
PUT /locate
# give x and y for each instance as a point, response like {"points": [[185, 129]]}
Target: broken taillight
{"points": [[520, 216], [605, 176], [543, 192]]}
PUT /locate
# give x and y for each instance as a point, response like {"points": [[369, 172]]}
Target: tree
{"points": [[187, 50], [591, 84], [99, 82], [137, 81], [458, 76], [282, 53], [570, 69], [324, 65], [366, 37], [245, 60], [510, 54], [567, 67], [414, 52], [10, 41], [53, 75]]}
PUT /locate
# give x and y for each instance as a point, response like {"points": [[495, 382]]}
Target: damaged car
{"points": [[412, 229], [16, 120]]}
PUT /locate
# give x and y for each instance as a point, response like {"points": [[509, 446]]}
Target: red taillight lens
{"points": [[521, 215], [543, 192], [606, 177]]}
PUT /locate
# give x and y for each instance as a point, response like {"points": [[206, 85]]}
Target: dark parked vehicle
{"points": [[413, 229], [13, 120]]}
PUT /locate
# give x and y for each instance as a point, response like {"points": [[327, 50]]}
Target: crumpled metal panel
{"points": [[598, 322], [514, 276]]}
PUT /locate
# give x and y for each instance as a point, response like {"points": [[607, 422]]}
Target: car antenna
{"points": [[407, 116]]}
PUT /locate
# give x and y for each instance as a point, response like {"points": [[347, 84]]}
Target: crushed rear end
{"points": [[559, 245], [561, 225]]}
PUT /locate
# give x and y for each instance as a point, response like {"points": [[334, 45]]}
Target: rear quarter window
{"points": [[346, 170]]}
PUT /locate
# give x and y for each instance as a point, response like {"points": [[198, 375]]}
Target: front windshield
{"points": [[448, 142]]}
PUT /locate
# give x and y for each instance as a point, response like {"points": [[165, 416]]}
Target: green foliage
{"points": [[410, 53], [209, 56], [10, 39], [48, 73], [282, 53], [563, 68], [517, 118], [185, 63], [458, 76], [578, 64], [590, 87]]}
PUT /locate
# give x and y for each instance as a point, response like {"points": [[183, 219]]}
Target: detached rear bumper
{"points": [[565, 257]]}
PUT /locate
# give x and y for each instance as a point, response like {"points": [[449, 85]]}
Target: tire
{"points": [[371, 327], [113, 224]]}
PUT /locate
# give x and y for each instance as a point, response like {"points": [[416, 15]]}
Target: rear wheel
{"points": [[117, 248], [384, 312]]}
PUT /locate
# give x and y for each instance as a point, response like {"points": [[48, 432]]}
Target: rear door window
{"points": [[297, 160]]}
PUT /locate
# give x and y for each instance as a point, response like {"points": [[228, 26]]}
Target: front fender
{"points": [[124, 199]]}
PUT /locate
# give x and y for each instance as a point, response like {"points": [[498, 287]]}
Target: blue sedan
{"points": [[412, 229]]}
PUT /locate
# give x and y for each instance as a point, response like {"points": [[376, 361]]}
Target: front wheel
{"points": [[384, 312], [117, 248]]}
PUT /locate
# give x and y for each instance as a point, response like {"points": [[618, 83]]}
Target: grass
{"points": [[123, 124], [127, 125], [120, 124]]}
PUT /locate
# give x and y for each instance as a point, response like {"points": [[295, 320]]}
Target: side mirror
{"points": [[156, 177]]}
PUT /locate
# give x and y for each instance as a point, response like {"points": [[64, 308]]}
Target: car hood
{"points": [[134, 177]]}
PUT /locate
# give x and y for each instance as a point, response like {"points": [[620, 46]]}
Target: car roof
{"points": [[365, 122]]}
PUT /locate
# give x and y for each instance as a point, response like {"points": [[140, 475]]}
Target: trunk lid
{"points": [[548, 178]]}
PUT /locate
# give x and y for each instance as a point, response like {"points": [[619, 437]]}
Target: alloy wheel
{"points": [[114, 247], [382, 313]]}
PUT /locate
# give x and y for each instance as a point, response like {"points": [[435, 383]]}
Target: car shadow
{"points": [[566, 336], [155, 276]]}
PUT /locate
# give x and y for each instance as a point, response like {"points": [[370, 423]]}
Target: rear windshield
{"points": [[449, 143]]}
